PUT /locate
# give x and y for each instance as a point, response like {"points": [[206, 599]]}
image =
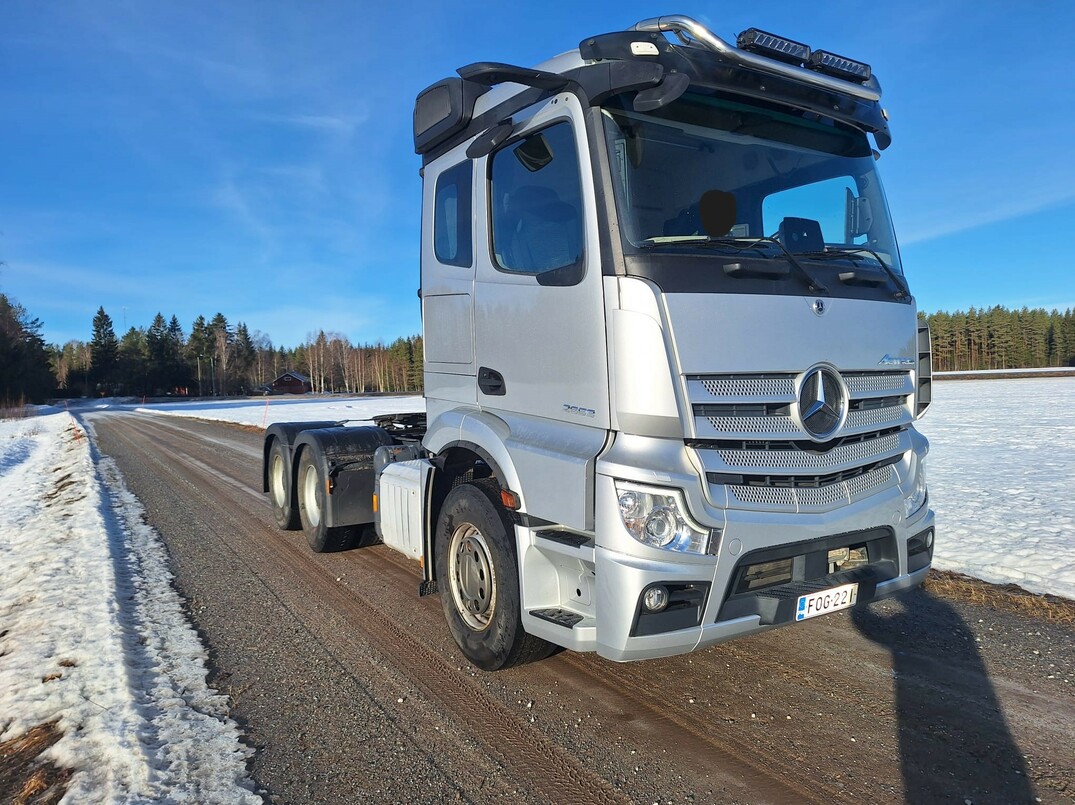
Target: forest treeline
{"points": [[215, 358], [999, 338]]}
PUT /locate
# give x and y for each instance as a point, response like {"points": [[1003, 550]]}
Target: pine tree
{"points": [[25, 373], [104, 349], [245, 354], [134, 367], [199, 350]]}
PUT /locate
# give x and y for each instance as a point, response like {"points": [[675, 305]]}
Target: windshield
{"points": [[711, 172]]}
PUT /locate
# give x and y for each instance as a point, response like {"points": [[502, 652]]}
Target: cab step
{"points": [[561, 617]]}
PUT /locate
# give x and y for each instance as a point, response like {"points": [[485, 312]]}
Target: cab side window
{"points": [[536, 199], [451, 216]]}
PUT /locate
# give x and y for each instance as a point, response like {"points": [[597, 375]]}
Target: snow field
{"points": [[93, 634], [1001, 473], [262, 413]]}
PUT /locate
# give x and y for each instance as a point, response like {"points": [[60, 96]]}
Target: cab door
{"points": [[539, 323], [448, 280]]}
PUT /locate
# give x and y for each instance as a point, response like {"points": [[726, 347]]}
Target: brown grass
{"points": [[1007, 597], [14, 409], [24, 778]]}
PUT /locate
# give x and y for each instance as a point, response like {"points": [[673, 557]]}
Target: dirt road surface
{"points": [[351, 690]]}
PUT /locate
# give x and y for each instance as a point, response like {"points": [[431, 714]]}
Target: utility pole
{"points": [[200, 376]]}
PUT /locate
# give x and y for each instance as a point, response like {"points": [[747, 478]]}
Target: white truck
{"points": [[672, 364]]}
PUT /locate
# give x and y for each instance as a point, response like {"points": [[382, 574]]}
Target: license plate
{"points": [[831, 600]]}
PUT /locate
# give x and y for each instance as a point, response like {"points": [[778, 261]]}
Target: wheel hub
{"points": [[472, 578], [310, 484]]}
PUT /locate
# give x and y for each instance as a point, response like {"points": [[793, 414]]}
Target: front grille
{"points": [[749, 385], [795, 458], [822, 497], [750, 441]]}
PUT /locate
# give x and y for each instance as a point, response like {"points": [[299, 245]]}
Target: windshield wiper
{"points": [[739, 245], [814, 284], [850, 252]]}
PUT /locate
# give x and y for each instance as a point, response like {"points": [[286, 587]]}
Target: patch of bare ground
{"points": [[1006, 597], [25, 779]]}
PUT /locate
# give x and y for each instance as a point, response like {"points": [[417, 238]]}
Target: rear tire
{"points": [[478, 579], [311, 495], [281, 492]]}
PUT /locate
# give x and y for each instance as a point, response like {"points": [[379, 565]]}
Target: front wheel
{"points": [[478, 576], [310, 488]]}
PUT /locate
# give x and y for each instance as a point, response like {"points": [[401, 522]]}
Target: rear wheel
{"points": [[311, 492], [284, 510], [478, 576]]}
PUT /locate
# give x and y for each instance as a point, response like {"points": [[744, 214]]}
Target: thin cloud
{"points": [[325, 124], [944, 222], [228, 197]]}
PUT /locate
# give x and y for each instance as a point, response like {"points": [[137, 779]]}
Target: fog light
{"points": [[655, 599], [929, 539]]}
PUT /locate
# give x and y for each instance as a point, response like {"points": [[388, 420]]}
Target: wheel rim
{"points": [[471, 576], [276, 479], [310, 483]]}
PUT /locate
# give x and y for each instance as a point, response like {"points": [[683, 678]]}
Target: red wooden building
{"points": [[292, 383]]}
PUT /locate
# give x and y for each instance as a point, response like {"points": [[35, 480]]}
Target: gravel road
{"points": [[351, 690]]}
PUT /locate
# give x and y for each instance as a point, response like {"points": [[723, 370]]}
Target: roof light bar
{"points": [[839, 66], [687, 29], [773, 46]]}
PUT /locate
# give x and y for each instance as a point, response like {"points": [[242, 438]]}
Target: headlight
{"points": [[916, 498], [658, 517]]}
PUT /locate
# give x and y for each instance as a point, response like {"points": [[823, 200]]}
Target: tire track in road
{"points": [[531, 761]]}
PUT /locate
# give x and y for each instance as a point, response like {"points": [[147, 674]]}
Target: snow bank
{"points": [[1001, 473], [92, 632]]}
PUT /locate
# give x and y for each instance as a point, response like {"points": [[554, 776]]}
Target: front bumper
{"points": [[624, 570]]}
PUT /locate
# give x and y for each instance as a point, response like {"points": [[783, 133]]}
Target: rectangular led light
{"points": [[776, 47], [839, 66]]}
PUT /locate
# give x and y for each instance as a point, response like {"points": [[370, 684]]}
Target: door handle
{"points": [[491, 382]]}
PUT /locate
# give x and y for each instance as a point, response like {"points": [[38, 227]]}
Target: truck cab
{"points": [[672, 362]]}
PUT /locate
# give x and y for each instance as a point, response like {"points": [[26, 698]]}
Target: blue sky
{"points": [[255, 158]]}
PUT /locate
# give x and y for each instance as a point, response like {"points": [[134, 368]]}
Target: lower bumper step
{"points": [[561, 617]]}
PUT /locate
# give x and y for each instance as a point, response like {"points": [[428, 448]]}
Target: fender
{"points": [[285, 432], [534, 457], [344, 456], [482, 433]]}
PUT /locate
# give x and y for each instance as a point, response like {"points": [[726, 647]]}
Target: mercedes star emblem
{"points": [[822, 403]]}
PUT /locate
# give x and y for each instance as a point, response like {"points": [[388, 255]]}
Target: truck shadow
{"points": [[955, 745]]}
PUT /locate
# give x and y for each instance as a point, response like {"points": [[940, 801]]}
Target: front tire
{"points": [[281, 494], [312, 497], [478, 578]]}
